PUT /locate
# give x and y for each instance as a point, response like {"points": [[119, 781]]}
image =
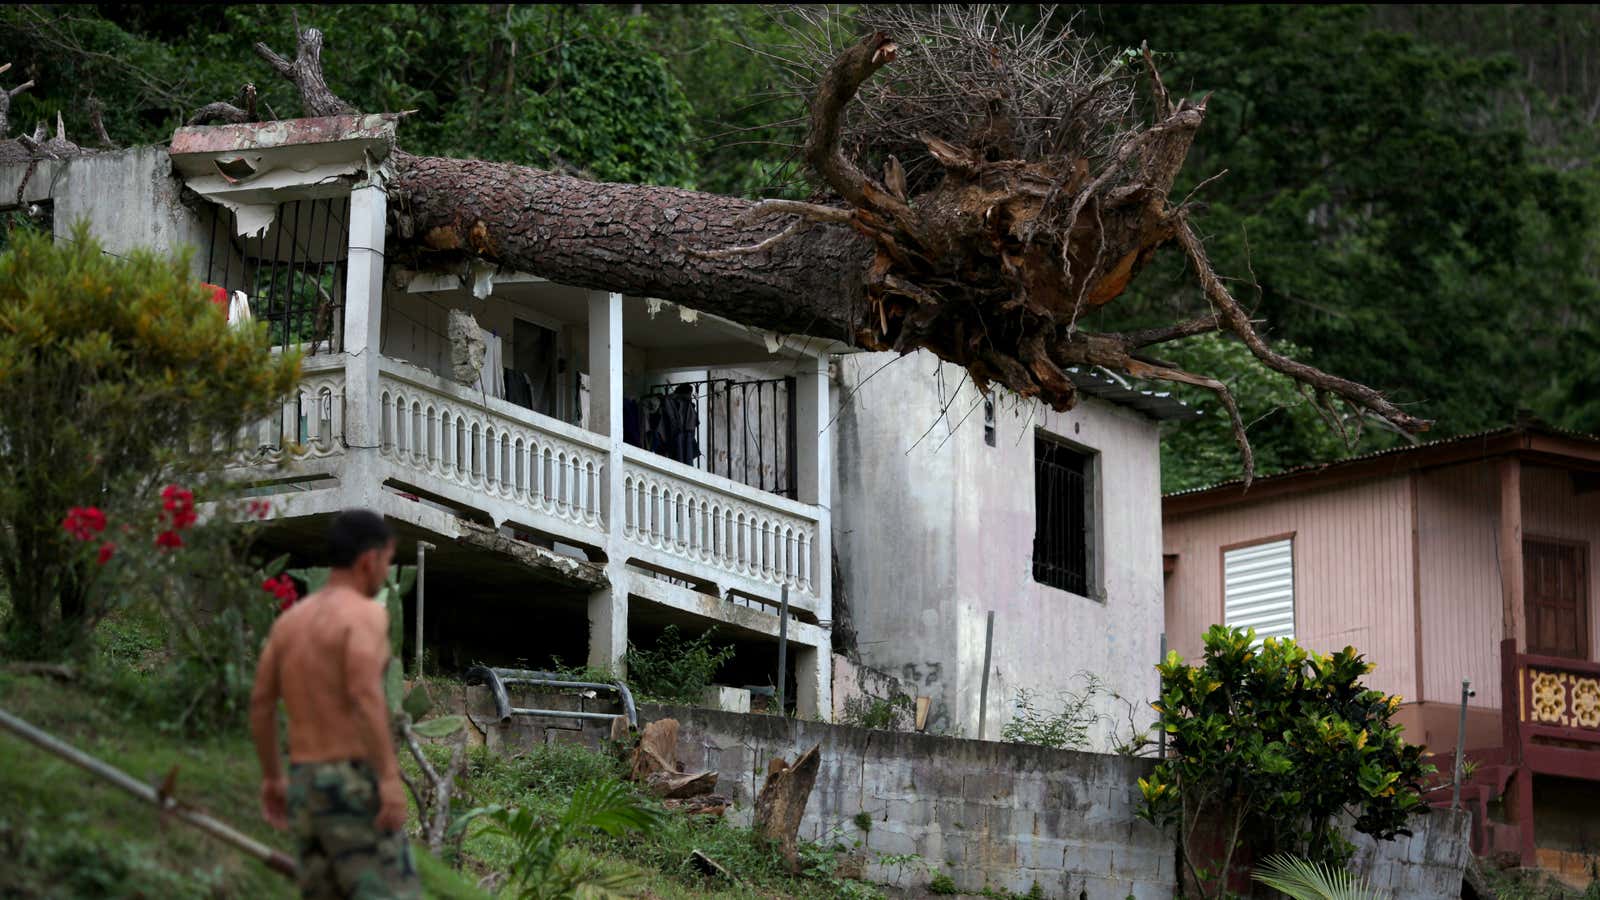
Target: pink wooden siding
{"points": [[1552, 509], [1458, 512], [1352, 580]]}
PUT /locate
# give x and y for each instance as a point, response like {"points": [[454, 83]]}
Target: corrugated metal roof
{"points": [[1393, 451], [1159, 405]]}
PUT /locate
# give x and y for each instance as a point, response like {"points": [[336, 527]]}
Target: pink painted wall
{"points": [[1353, 574], [1458, 546], [1551, 508], [1353, 577]]}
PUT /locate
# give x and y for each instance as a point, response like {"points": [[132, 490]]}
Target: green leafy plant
{"points": [[1300, 879], [892, 713], [676, 669], [901, 862], [942, 884], [542, 868], [116, 375], [1270, 743], [1068, 728]]}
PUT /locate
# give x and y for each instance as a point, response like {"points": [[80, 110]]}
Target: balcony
{"points": [[560, 526], [543, 475]]}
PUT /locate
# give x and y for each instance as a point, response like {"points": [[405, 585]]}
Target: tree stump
{"points": [[782, 802], [657, 751]]}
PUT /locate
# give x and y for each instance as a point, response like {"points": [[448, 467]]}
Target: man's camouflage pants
{"points": [[332, 808]]}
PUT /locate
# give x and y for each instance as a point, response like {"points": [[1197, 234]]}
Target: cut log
{"points": [[708, 805], [782, 802], [681, 785]]}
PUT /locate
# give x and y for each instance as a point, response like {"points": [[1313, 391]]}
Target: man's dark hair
{"points": [[354, 532]]}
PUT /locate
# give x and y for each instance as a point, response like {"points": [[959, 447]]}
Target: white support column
{"points": [[814, 680], [814, 466], [608, 608], [363, 327]]}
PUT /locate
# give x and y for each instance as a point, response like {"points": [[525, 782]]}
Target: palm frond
{"points": [[1300, 879]]}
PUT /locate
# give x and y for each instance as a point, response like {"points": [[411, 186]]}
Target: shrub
{"points": [[1066, 729], [893, 713], [677, 669], [1270, 743], [116, 374]]}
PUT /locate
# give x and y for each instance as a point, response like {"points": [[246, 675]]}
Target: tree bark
{"points": [[634, 239], [782, 802]]}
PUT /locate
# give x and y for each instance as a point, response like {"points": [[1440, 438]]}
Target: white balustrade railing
{"points": [[310, 424], [448, 432], [719, 523]]}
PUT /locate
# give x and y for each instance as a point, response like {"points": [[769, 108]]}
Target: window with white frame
{"points": [[1258, 588]]}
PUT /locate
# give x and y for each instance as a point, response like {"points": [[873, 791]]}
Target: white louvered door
{"points": [[1258, 588]]}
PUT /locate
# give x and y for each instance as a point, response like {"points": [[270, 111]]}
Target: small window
{"points": [[1063, 531], [1258, 588]]}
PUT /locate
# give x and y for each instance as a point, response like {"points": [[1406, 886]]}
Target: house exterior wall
{"points": [[1551, 508], [1354, 582], [894, 524], [1458, 512], [1353, 578], [935, 531], [129, 198]]}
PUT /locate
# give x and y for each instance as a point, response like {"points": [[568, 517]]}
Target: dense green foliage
{"points": [[1411, 193], [1270, 744], [676, 669], [1420, 214], [115, 374]]}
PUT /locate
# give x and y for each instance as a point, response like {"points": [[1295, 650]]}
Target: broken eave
{"points": [[249, 167]]}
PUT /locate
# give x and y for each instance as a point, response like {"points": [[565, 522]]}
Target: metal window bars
{"points": [[1061, 529], [749, 430], [293, 272]]}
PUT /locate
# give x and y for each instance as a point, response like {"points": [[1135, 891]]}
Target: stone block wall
{"points": [[988, 814]]}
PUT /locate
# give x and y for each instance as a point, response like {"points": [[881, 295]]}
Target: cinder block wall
{"points": [[985, 813]]}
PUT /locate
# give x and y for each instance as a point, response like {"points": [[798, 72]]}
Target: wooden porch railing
{"points": [[1550, 717]]}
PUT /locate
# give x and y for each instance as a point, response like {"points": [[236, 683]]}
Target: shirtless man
{"points": [[326, 658]]}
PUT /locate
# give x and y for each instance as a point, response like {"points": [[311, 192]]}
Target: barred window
{"points": [[1063, 531]]}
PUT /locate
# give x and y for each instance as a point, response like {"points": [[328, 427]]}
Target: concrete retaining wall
{"points": [[987, 814]]}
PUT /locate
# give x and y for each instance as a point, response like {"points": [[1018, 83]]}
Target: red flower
{"points": [[282, 587], [106, 551], [260, 509], [179, 505], [84, 522], [169, 540]]}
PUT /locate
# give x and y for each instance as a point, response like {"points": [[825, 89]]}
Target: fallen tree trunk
{"points": [[1004, 229]]}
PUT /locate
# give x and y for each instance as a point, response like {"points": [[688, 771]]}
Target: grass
{"points": [[65, 833]]}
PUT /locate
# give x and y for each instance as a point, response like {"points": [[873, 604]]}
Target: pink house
{"points": [[1462, 559]]}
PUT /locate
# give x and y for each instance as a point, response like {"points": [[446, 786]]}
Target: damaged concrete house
{"points": [[589, 468]]}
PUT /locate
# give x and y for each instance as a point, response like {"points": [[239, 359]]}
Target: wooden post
{"points": [[1513, 615], [983, 690]]}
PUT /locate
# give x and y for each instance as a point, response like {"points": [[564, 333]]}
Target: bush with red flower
{"points": [[120, 359]]}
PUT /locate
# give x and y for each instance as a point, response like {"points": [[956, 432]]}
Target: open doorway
{"points": [[533, 378]]}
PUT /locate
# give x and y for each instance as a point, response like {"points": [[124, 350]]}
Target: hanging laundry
{"points": [[681, 416], [239, 310], [632, 423]]}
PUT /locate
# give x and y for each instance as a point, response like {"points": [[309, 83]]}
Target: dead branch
{"points": [[97, 122], [316, 99], [5, 101], [228, 113], [1357, 395]]}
